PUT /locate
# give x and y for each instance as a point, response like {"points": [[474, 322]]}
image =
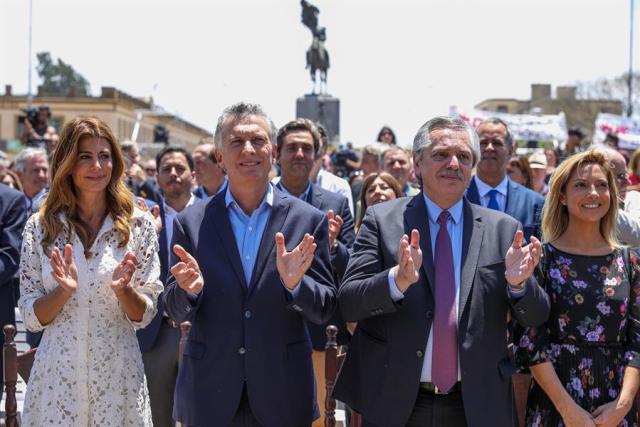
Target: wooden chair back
{"points": [[14, 365], [332, 364]]}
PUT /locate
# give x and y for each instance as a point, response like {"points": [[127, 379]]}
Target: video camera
{"points": [[30, 114]]}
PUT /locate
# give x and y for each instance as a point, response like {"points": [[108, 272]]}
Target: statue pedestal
{"points": [[324, 109]]}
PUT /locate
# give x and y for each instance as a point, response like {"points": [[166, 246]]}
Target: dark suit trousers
{"points": [[161, 370], [435, 411]]}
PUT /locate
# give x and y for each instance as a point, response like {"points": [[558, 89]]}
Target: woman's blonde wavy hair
{"points": [[555, 216], [63, 198]]}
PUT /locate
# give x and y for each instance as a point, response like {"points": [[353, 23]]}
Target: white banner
{"points": [[524, 127], [626, 129]]}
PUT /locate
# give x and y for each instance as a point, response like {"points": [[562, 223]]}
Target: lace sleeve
{"points": [[31, 286], [146, 278]]}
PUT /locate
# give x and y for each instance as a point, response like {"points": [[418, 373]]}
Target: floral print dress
{"points": [[88, 369], [592, 333]]}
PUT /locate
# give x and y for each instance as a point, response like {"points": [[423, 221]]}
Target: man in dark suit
{"points": [[492, 188], [159, 341], [430, 348], [298, 143], [13, 215], [248, 294], [209, 175]]}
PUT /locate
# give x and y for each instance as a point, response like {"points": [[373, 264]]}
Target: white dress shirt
{"points": [[169, 216], [328, 181]]}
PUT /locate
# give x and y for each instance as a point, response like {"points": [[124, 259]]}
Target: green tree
{"points": [[60, 79]]}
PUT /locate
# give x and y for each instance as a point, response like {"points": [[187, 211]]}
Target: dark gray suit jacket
{"points": [[381, 374]]}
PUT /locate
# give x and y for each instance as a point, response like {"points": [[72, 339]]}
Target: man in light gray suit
{"points": [[431, 281]]}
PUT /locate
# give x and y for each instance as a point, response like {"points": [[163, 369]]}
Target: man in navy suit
{"points": [[159, 341], [492, 188], [13, 215], [430, 282], [298, 143], [247, 292]]}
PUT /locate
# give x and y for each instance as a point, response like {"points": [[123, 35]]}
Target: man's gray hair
{"points": [[421, 140], [239, 111], [25, 155], [391, 150], [372, 150], [127, 146]]}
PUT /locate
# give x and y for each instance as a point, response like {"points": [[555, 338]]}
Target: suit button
{"points": [[419, 353], [247, 314], [242, 350], [429, 314]]}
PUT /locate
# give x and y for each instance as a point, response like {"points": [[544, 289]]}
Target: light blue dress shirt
{"points": [[501, 192], [455, 228], [248, 230]]}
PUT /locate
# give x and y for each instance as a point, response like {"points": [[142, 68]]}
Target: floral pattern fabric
{"points": [[593, 330], [88, 369]]}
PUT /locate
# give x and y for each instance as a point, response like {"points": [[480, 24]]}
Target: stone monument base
{"points": [[324, 109]]}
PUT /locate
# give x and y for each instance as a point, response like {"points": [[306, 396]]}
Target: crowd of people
{"points": [[446, 269]]}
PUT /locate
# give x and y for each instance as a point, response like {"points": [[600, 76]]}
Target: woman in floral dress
{"points": [[585, 360], [88, 277]]}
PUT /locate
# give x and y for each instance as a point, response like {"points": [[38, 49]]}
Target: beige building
{"points": [[578, 112], [120, 110]]}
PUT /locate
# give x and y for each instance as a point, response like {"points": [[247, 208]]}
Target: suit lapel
{"points": [[472, 192], [315, 197], [267, 243], [415, 216], [472, 235], [512, 199], [221, 223]]}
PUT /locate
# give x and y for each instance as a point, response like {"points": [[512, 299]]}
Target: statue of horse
{"points": [[318, 61]]}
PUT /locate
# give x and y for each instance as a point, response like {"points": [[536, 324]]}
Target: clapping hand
{"points": [[575, 416], [335, 225], [64, 270], [292, 265], [521, 260], [610, 414], [187, 271], [121, 277], [409, 261]]}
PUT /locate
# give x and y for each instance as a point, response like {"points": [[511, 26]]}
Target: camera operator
{"points": [[344, 160], [37, 132]]}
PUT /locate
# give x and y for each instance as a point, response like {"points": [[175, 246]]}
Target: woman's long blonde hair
{"points": [[555, 217], [63, 198]]}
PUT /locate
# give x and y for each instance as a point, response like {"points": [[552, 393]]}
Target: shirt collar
{"points": [[267, 199], [484, 188], [433, 210], [169, 210], [304, 196]]}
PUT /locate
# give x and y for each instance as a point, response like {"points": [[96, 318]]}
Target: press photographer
{"points": [[37, 132]]}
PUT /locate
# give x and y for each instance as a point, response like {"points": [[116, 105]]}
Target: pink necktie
{"points": [[444, 368]]}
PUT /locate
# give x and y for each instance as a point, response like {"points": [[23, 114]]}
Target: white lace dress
{"points": [[88, 369]]}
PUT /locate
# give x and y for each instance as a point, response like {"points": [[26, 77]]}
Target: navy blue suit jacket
{"points": [[325, 200], [13, 215], [249, 334], [523, 204], [147, 336]]}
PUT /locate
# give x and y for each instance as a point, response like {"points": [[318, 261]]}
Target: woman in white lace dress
{"points": [[89, 278]]}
